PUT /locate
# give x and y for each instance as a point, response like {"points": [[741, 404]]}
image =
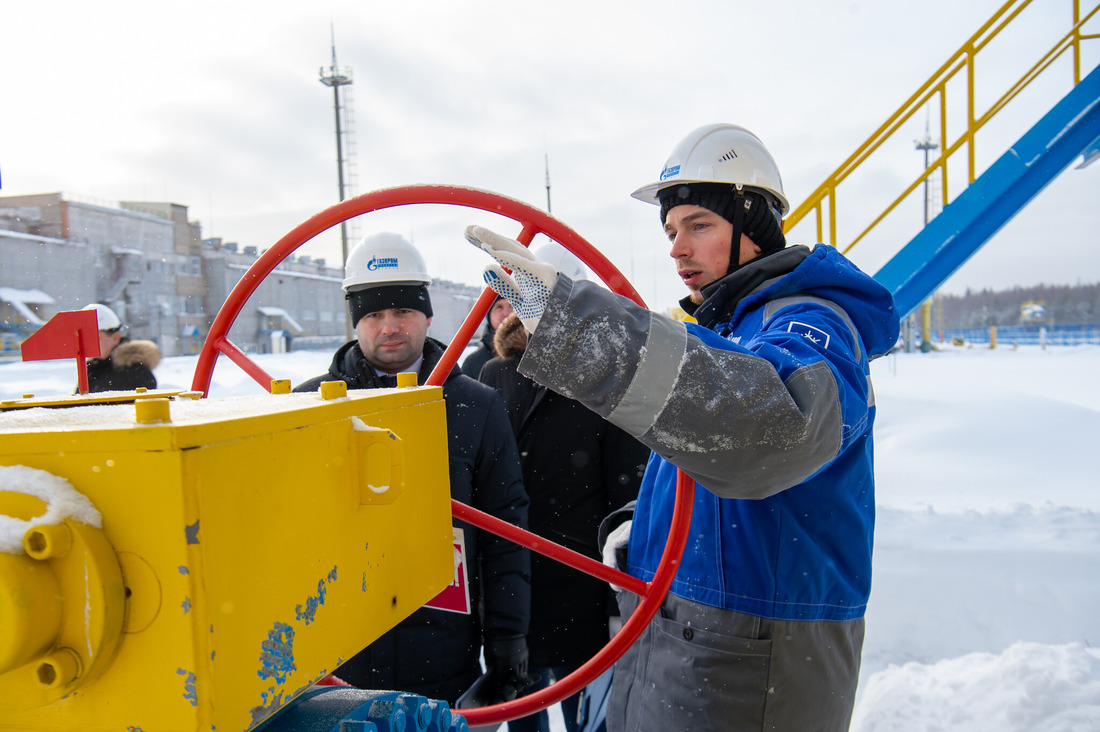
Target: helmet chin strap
{"points": [[738, 223]]}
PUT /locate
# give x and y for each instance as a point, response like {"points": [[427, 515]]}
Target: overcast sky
{"points": [[218, 106]]}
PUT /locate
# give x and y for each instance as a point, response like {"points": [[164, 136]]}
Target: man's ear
{"points": [[429, 321]]}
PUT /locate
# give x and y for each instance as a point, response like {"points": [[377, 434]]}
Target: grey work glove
{"points": [[532, 281], [506, 657]]}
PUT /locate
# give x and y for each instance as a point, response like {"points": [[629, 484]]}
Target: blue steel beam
{"points": [[1090, 155], [1071, 127]]}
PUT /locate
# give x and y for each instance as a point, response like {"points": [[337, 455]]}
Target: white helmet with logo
{"points": [[720, 153], [384, 259], [106, 317]]}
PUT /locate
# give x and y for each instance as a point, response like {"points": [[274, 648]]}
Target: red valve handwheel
{"points": [[533, 221]]}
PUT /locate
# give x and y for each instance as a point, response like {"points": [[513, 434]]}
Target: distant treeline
{"points": [[1064, 305]]}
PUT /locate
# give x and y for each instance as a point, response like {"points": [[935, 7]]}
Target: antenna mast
{"points": [[548, 210], [926, 145], [336, 78]]}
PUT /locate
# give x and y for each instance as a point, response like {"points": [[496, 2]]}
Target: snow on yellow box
{"points": [[247, 547]]}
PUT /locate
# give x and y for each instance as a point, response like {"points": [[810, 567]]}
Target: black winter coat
{"points": [[129, 366], [577, 468], [434, 652]]}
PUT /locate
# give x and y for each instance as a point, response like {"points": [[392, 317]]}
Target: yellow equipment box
{"points": [[249, 545]]}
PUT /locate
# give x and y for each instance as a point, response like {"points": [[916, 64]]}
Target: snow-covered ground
{"points": [[986, 602]]}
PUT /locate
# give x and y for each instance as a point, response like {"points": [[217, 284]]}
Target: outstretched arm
{"points": [[743, 422]]}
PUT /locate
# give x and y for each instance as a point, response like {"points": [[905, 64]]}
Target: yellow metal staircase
{"points": [[961, 99]]}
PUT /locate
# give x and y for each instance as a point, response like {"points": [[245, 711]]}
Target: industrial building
{"points": [[150, 263]]}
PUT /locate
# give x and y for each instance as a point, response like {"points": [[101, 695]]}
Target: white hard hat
{"points": [[562, 260], [720, 153], [384, 259], [107, 320]]}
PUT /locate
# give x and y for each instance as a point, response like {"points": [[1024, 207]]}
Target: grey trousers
{"points": [[702, 668]]}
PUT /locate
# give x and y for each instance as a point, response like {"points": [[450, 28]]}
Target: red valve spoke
{"points": [[547, 548]]}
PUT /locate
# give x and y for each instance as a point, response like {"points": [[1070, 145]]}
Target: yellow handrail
{"points": [[823, 201]]}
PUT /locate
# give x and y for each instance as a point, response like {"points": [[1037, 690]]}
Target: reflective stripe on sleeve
{"points": [[658, 370]]}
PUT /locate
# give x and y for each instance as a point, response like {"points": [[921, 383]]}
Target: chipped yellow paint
{"points": [[244, 530]]}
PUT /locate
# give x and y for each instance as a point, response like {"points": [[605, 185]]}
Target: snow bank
{"points": [[1028, 688]]}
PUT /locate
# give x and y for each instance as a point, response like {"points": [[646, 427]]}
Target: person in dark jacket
{"points": [[123, 365], [577, 468], [498, 311], [436, 652]]}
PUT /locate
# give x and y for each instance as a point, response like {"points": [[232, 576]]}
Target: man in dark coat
{"points": [[436, 652], [577, 468], [123, 365]]}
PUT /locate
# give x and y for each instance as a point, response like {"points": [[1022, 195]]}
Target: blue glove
{"points": [[532, 281]]}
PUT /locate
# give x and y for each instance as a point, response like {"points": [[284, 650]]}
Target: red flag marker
{"points": [[69, 334]]}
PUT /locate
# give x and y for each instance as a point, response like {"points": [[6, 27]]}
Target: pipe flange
{"points": [[63, 591]]}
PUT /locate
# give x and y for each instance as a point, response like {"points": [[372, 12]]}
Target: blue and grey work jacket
{"points": [[766, 403]]}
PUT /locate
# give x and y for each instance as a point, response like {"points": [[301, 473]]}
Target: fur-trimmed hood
{"points": [[510, 338], [128, 353]]}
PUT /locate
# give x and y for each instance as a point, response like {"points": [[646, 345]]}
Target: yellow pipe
{"points": [[926, 327], [47, 541], [30, 608]]}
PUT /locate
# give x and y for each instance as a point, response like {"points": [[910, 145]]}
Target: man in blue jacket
{"points": [[766, 401]]}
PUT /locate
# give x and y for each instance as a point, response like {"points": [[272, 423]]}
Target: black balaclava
{"points": [[384, 297], [748, 211]]}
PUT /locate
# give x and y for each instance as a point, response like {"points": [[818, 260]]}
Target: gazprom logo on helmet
{"points": [[670, 171], [377, 263]]}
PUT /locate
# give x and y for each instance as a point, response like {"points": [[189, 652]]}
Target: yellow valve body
{"points": [[262, 541]]}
